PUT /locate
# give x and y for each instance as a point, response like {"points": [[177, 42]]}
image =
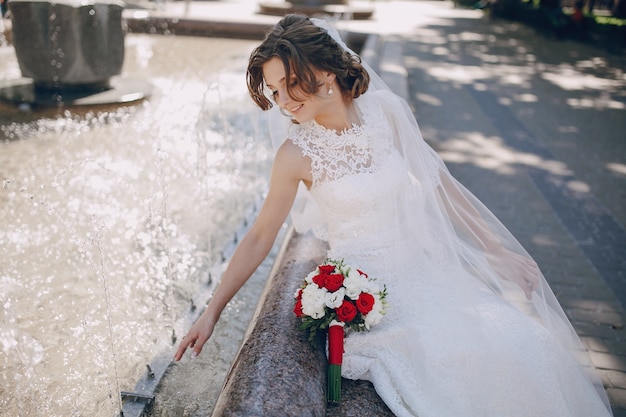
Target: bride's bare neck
{"points": [[340, 114]]}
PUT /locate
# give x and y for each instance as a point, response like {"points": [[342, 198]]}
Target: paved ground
{"points": [[535, 127]]}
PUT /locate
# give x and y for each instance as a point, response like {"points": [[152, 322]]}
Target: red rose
{"points": [[347, 312], [297, 308], [362, 273], [327, 269], [320, 280], [299, 294], [333, 282], [365, 303]]}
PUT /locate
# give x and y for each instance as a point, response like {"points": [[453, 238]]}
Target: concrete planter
{"points": [[68, 44]]}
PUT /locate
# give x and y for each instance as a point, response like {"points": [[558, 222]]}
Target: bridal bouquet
{"points": [[336, 296]]}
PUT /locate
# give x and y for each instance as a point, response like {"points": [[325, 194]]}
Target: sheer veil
{"points": [[457, 229]]}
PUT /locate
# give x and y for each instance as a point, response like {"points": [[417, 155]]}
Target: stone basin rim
{"points": [[74, 3]]}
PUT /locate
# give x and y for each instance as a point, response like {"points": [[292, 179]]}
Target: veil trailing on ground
{"points": [[454, 227]]}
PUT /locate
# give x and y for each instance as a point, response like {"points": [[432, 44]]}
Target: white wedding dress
{"points": [[451, 344]]}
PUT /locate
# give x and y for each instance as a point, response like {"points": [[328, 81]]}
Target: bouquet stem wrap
{"points": [[335, 295], [335, 359]]}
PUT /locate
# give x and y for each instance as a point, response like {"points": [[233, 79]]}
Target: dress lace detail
{"points": [[334, 155], [448, 345], [353, 169]]}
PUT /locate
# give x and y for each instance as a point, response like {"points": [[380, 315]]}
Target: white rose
{"points": [[371, 287], [372, 318], [313, 301], [309, 278], [335, 299], [354, 285], [379, 305]]}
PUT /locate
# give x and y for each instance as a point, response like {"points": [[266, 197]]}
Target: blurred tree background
{"points": [[599, 21]]}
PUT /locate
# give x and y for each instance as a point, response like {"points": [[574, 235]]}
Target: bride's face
{"points": [[304, 107]]}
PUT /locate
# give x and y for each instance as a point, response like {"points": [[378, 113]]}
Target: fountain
{"points": [[70, 51], [341, 9], [116, 219]]}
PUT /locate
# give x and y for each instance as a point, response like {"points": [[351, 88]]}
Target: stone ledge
{"points": [[144, 23], [277, 372]]}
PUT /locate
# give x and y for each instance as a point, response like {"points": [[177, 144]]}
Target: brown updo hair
{"points": [[303, 48]]}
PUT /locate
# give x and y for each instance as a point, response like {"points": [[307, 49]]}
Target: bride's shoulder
{"points": [[290, 149], [290, 158]]}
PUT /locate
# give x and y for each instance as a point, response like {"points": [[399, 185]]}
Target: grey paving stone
{"points": [[608, 361], [618, 400], [576, 237]]}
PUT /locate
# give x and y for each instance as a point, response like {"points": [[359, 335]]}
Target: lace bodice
{"points": [[357, 175], [352, 151]]}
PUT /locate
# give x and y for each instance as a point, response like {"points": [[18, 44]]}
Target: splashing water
{"points": [[112, 219]]}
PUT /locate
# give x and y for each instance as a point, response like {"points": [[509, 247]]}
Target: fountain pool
{"points": [[111, 219]]}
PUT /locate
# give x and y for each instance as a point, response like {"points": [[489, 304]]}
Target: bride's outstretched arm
{"points": [[253, 248]]}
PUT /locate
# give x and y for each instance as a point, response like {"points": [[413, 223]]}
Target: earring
{"points": [[330, 90]]}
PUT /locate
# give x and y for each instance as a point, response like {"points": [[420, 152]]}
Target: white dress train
{"points": [[451, 344]]}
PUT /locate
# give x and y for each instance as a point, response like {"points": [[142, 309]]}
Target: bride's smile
{"points": [[325, 107]]}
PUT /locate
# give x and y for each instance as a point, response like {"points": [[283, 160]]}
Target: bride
{"points": [[472, 327]]}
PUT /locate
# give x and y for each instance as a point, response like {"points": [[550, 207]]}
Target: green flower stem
{"points": [[334, 384]]}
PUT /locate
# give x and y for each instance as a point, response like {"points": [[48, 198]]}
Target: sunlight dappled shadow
{"points": [[569, 96], [465, 56], [617, 168], [462, 74], [492, 154], [595, 103], [568, 78], [545, 241], [429, 99]]}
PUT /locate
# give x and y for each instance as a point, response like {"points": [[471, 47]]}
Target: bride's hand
{"points": [[197, 336], [517, 268]]}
